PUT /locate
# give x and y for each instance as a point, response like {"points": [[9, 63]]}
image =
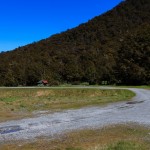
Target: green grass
{"points": [[61, 98], [14, 100], [125, 145], [8, 99]]}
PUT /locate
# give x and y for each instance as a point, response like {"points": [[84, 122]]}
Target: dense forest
{"points": [[113, 47]]}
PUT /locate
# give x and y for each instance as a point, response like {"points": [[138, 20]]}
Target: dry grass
{"points": [[18, 103], [130, 137]]}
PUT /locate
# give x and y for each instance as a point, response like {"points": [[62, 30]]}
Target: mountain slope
{"points": [[92, 52]]}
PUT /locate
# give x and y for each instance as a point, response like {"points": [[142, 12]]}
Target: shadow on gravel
{"points": [[135, 102], [9, 129]]}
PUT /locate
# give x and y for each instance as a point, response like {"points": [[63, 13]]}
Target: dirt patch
{"points": [[44, 93]]}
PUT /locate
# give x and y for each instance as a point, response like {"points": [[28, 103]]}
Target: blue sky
{"points": [[26, 21]]}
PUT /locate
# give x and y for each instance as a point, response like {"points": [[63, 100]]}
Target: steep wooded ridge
{"points": [[113, 47]]}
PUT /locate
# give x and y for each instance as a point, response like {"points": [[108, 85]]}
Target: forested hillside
{"points": [[113, 47]]}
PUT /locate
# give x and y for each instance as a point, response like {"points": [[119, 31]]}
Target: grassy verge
{"points": [[25, 101], [119, 137], [141, 87], [121, 86]]}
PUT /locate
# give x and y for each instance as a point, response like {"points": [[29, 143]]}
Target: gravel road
{"points": [[136, 111]]}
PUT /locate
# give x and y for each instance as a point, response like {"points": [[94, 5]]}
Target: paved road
{"points": [[137, 111]]}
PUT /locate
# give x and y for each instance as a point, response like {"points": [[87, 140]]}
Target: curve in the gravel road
{"points": [[137, 111]]}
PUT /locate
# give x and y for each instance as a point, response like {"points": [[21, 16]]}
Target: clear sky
{"points": [[26, 21]]}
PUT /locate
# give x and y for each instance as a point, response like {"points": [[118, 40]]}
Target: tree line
{"points": [[113, 47]]}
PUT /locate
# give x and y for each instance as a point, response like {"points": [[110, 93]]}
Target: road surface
{"points": [[136, 111]]}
